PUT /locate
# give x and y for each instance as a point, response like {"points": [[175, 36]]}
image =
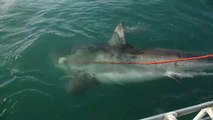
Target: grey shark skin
{"points": [[80, 64]]}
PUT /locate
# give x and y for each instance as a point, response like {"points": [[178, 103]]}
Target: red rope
{"points": [[155, 62]]}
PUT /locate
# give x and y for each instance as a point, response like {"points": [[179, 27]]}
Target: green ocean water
{"points": [[32, 88]]}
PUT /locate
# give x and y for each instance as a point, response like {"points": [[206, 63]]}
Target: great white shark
{"points": [[86, 65]]}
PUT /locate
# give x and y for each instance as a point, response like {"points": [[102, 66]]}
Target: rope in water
{"points": [[155, 62]]}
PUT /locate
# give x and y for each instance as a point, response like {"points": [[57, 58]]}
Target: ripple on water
{"points": [[11, 103]]}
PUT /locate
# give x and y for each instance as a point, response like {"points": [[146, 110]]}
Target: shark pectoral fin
{"points": [[80, 83], [118, 37], [177, 76], [173, 75]]}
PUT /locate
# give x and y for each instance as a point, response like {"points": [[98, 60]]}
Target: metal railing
{"points": [[204, 108]]}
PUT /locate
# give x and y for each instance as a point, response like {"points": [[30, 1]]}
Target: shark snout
{"points": [[62, 60]]}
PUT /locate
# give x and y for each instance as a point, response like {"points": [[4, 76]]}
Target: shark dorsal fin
{"points": [[118, 37]]}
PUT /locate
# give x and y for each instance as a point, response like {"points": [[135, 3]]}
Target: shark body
{"points": [[82, 64]]}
